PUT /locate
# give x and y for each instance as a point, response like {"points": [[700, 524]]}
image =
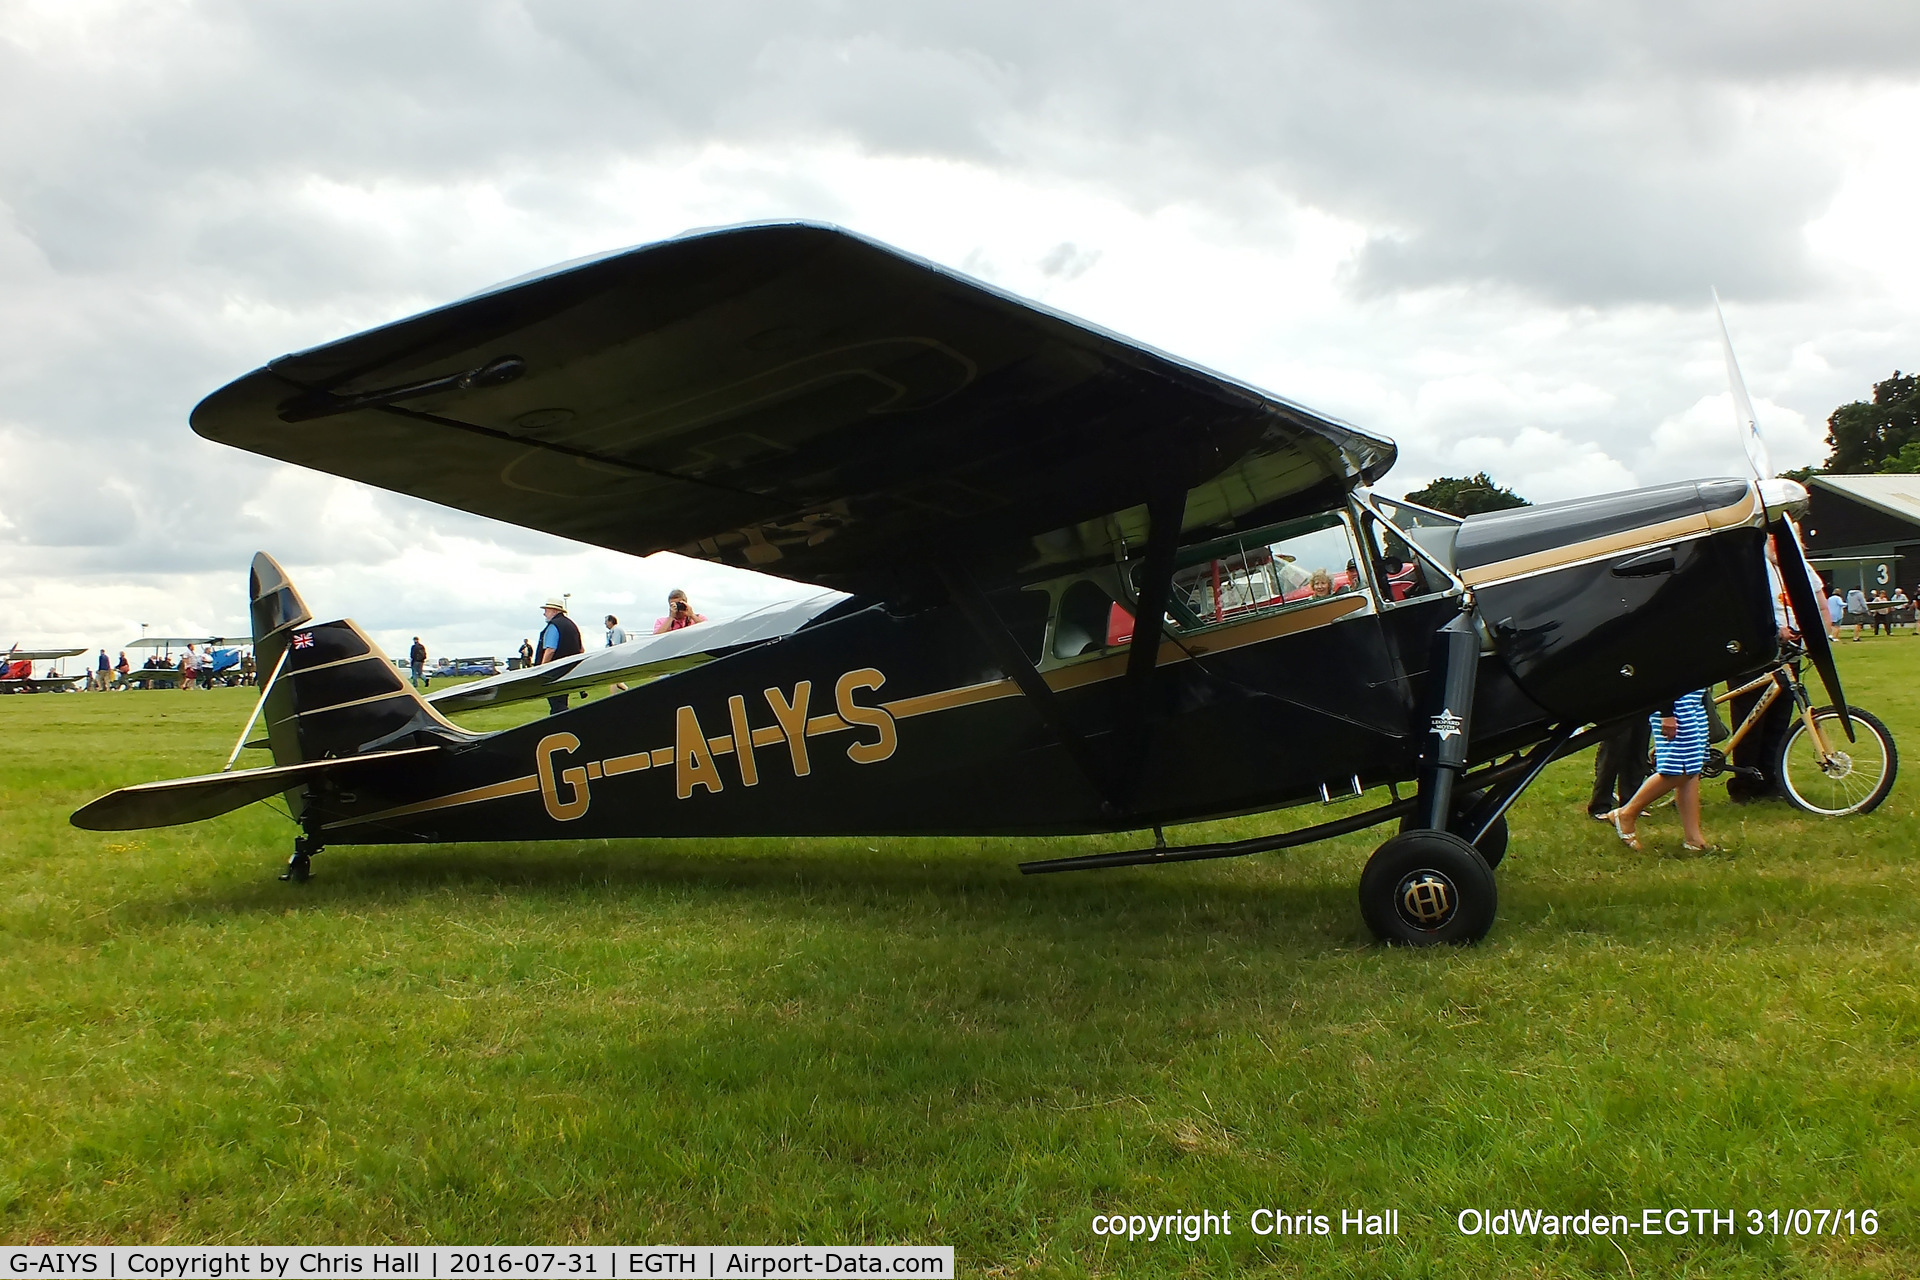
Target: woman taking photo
{"points": [[679, 613]]}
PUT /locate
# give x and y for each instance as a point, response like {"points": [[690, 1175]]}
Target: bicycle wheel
{"points": [[1855, 779]]}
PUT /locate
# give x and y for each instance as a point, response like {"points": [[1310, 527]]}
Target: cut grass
{"points": [[889, 1040]]}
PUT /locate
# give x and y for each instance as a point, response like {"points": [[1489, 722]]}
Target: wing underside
{"points": [[790, 398]]}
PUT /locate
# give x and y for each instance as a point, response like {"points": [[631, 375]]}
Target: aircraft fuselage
{"points": [[881, 723]]}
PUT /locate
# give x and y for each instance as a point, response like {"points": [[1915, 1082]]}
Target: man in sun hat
{"points": [[558, 639]]}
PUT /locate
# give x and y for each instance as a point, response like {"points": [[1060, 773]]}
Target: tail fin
{"points": [[333, 694]]}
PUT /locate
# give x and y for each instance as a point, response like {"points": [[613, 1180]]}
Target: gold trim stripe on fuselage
{"points": [[1109, 667], [1730, 516], [474, 795]]}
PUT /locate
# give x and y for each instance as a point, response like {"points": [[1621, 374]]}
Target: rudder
{"points": [[332, 692]]}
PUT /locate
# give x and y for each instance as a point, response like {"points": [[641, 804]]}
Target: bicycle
{"points": [[1815, 767]]}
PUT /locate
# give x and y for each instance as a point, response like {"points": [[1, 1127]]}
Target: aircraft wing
{"points": [[40, 655], [636, 658], [179, 642], [796, 399]]}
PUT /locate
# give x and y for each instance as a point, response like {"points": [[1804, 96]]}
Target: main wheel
{"points": [[1855, 779], [1423, 888], [1492, 845]]}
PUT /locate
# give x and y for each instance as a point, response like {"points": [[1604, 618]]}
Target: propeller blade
{"points": [[1750, 437], [1807, 606]]}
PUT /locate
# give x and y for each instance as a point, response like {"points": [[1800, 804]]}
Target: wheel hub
{"points": [[1837, 765], [1426, 900]]}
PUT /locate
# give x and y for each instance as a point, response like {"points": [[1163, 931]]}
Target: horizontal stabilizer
{"points": [[636, 657], [168, 804]]}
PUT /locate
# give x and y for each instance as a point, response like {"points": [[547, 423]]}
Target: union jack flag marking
{"points": [[303, 639]]}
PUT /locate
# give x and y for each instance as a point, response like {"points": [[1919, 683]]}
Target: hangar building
{"points": [[1864, 531]]}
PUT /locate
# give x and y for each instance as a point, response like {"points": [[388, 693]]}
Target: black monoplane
{"points": [[1068, 584]]}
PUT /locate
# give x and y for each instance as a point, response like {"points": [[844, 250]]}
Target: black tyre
{"points": [[1423, 888], [1855, 779], [1492, 845]]}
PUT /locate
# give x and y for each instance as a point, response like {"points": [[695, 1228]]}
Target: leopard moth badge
{"points": [[1446, 724]]}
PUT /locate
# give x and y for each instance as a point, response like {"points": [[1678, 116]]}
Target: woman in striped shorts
{"points": [[1679, 753]]}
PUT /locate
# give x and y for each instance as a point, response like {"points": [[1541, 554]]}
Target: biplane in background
{"points": [[16, 671], [222, 654], [1070, 584]]}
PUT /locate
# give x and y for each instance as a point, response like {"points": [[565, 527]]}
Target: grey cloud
{"points": [[1068, 261], [156, 164], [1544, 147]]}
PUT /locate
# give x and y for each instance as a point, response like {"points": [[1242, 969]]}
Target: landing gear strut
{"points": [[300, 865], [1428, 885], [1492, 842]]}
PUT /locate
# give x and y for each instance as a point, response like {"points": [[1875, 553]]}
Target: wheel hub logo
{"points": [[1427, 899]]}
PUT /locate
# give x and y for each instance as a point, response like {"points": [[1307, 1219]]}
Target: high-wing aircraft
{"points": [[1077, 585], [221, 652], [16, 670]]}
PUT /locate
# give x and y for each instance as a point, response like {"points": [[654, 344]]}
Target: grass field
{"points": [[830, 1041]]}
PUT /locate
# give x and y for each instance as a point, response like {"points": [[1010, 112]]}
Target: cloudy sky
{"points": [[1486, 229]]}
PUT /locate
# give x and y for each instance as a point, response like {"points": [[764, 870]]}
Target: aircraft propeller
{"points": [[1794, 573]]}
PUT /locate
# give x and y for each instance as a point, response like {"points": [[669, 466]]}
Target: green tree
{"points": [[1905, 462], [1863, 437], [1467, 496]]}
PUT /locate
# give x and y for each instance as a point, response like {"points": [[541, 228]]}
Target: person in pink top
{"points": [[679, 613]]}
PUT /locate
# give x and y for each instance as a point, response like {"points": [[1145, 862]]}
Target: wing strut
{"points": [[258, 706], [1010, 658], [1166, 511]]}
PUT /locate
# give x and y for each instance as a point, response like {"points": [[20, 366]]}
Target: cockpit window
{"points": [[1232, 578], [1085, 621], [1411, 515], [1403, 575]]}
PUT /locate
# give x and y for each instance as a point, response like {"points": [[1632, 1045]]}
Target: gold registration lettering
{"points": [[575, 778], [792, 719], [692, 755], [743, 741], [880, 748], [692, 758]]}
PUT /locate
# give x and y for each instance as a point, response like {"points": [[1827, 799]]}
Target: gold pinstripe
{"points": [[493, 791], [341, 662], [341, 706], [1729, 516]]}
